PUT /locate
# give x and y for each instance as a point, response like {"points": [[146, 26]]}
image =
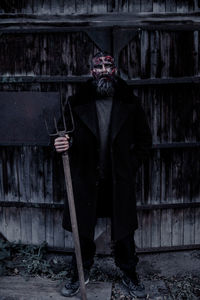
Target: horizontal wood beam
{"points": [[55, 23], [176, 145], [69, 251], [83, 78], [61, 206], [160, 146]]}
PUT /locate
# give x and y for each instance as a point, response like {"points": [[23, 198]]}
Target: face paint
{"points": [[104, 67], [104, 72]]}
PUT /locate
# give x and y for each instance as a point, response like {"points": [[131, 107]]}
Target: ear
{"points": [[115, 71]]}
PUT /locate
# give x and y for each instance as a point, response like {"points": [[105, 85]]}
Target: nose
{"points": [[103, 69]]}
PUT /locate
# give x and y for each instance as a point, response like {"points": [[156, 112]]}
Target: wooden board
{"points": [[18, 288]]}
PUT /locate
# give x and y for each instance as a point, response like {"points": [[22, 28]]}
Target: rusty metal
{"points": [[70, 196]]}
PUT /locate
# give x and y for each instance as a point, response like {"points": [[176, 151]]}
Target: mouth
{"points": [[105, 77]]}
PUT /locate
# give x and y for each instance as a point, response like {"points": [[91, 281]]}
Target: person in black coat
{"points": [[109, 144]]}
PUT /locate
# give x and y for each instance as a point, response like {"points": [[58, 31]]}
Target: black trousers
{"points": [[123, 250], [124, 253]]}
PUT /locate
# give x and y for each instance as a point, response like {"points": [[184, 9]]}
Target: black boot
{"points": [[135, 287], [72, 285]]}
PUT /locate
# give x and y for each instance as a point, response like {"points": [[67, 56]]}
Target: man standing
{"points": [[110, 141]]}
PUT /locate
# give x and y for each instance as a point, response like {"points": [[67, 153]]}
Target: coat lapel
{"points": [[87, 113], [120, 113]]}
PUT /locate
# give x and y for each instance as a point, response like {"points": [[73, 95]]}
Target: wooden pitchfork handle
{"points": [[72, 210], [70, 196]]}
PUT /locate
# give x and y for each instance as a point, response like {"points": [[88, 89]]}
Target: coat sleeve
{"points": [[142, 137]]}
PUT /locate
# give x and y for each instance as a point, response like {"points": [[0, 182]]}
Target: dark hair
{"points": [[100, 54]]}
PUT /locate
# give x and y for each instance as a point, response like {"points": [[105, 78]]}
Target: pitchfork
{"points": [[68, 182]]}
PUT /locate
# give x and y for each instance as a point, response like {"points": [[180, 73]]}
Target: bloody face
{"points": [[103, 67], [104, 72]]}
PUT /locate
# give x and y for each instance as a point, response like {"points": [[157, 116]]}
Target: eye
{"points": [[98, 67]]}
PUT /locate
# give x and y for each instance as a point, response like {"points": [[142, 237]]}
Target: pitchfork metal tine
{"points": [[55, 124], [61, 132]]}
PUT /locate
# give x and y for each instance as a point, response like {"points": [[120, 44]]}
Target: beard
{"points": [[105, 86]]}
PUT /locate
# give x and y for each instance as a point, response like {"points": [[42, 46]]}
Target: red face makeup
{"points": [[104, 67]]}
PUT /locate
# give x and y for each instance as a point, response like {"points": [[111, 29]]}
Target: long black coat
{"points": [[130, 140]]}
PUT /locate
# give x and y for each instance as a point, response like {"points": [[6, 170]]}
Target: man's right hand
{"points": [[62, 143]]}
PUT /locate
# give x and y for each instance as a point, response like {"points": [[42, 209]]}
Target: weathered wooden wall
{"points": [[161, 64], [97, 6]]}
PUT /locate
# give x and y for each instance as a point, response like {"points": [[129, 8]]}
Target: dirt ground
{"points": [[166, 276]]}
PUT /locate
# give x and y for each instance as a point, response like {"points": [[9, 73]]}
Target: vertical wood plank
{"points": [[177, 179], [166, 228], [24, 177], [89, 6], [177, 227], [36, 175], [36, 6], [134, 6], [12, 219], [138, 232], [58, 231], [196, 52], [99, 7], [49, 227], [196, 5], [10, 174], [138, 187], [38, 225], [191, 5], [197, 226], [69, 7], [155, 179], [134, 58], [146, 229], [155, 54], [2, 193], [3, 223], [68, 239], [166, 177], [165, 44], [81, 6], [155, 228], [183, 6], [47, 177], [26, 225], [123, 6], [146, 5], [159, 6], [155, 103], [189, 226], [171, 5], [56, 7], [145, 54], [28, 9]]}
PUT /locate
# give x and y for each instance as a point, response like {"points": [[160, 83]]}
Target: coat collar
{"points": [[84, 107]]}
